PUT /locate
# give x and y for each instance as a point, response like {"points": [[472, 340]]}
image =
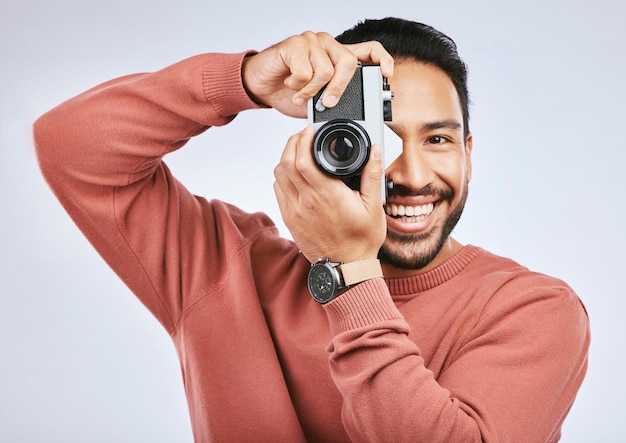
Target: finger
{"points": [[282, 199], [334, 65], [311, 66], [374, 52], [296, 54], [284, 184], [297, 172], [371, 179], [308, 170], [287, 203], [337, 76], [285, 170], [329, 62]]}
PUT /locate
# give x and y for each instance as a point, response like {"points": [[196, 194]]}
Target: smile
{"points": [[410, 213]]}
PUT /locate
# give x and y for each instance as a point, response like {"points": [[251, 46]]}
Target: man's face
{"points": [[431, 176]]}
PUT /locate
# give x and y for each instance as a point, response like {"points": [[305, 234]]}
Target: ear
{"points": [[468, 156]]}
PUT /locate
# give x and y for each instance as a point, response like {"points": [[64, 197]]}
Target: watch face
{"points": [[322, 283]]}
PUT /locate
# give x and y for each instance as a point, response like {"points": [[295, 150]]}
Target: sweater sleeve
{"points": [[512, 376], [101, 154]]}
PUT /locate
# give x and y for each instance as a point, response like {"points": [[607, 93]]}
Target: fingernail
{"points": [[330, 101], [298, 100]]}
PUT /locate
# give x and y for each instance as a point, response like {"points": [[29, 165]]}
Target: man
{"points": [[454, 344]]}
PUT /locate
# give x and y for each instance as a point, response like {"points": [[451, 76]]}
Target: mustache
{"points": [[397, 190]]}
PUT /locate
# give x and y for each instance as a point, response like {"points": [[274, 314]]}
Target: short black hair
{"points": [[405, 39]]}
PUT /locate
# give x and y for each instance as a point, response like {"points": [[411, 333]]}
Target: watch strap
{"points": [[359, 271]]}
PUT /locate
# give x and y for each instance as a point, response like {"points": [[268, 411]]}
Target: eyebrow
{"points": [[442, 124]]}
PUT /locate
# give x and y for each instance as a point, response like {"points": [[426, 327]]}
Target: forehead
{"points": [[423, 91]]}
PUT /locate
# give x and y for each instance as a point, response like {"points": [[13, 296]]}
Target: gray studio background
{"points": [[82, 361]]}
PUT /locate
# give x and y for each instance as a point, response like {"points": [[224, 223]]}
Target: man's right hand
{"points": [[287, 74]]}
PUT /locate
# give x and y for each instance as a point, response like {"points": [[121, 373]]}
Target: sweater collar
{"points": [[434, 277]]}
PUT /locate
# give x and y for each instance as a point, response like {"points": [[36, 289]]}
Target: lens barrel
{"points": [[341, 148]]}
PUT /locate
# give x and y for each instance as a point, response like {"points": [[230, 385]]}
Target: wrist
{"points": [[327, 279], [359, 271], [222, 85], [245, 79], [366, 305]]}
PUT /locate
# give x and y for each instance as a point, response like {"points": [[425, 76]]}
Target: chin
{"points": [[417, 251], [410, 252]]}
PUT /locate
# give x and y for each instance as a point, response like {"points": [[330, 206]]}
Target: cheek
{"points": [[453, 170], [468, 168]]}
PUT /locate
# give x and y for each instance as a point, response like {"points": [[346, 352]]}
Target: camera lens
{"points": [[341, 148]]}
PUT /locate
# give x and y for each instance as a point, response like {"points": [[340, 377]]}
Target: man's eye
{"points": [[436, 139]]}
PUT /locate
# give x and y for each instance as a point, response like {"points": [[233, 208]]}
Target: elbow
{"points": [[42, 140], [48, 142]]}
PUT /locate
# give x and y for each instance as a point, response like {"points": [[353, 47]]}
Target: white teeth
{"points": [[409, 211]]}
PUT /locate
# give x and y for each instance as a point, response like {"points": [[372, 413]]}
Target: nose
{"points": [[411, 169]]}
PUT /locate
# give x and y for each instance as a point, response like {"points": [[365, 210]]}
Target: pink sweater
{"points": [[478, 349]]}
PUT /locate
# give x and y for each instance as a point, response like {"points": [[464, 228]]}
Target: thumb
{"points": [[372, 178]]}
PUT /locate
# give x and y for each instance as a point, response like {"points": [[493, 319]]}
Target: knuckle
{"points": [[325, 71], [290, 148], [297, 40], [352, 61], [325, 36], [283, 169], [278, 172], [302, 165], [296, 44], [376, 45], [310, 204]]}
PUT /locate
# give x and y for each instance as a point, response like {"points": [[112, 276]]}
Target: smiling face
{"points": [[432, 174]]}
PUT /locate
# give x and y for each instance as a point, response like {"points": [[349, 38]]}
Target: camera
{"points": [[345, 133]]}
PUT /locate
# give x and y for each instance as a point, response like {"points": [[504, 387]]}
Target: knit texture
{"points": [[478, 349]]}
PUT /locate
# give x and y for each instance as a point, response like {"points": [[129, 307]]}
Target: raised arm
{"points": [[101, 153]]}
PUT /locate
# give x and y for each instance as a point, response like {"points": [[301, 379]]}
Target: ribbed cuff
{"points": [[365, 304], [223, 85]]}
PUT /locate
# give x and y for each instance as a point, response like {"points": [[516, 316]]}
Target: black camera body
{"points": [[345, 133]]}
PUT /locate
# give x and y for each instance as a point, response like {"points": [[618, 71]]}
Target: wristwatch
{"points": [[327, 279]]}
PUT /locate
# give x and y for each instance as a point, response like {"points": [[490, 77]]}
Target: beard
{"points": [[416, 251]]}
